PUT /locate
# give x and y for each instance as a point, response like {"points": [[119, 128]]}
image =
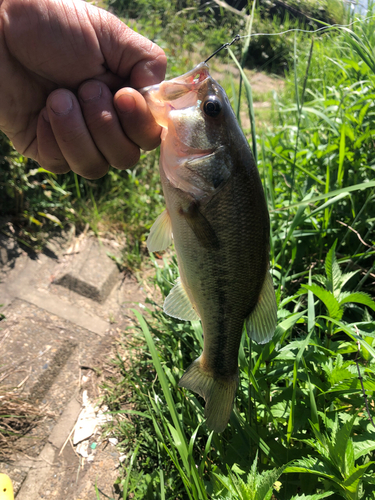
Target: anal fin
{"points": [[160, 236], [262, 321], [178, 304]]}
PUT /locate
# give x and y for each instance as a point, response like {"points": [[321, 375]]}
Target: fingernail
{"points": [[125, 103], [45, 115], [90, 91], [61, 103]]}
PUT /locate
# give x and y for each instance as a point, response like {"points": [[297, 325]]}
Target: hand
{"points": [[60, 63]]}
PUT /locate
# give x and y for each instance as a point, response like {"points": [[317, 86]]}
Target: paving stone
{"points": [[35, 346], [66, 310], [90, 272], [52, 338]]}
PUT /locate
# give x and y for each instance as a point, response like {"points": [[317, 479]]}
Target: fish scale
{"points": [[217, 213]]}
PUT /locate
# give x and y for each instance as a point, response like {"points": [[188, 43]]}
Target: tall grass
{"points": [[300, 428]]}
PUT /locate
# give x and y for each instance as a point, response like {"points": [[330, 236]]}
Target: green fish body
{"points": [[217, 214]]}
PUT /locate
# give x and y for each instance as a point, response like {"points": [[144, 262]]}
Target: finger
{"points": [[73, 137], [49, 155], [136, 119], [128, 54], [104, 126]]}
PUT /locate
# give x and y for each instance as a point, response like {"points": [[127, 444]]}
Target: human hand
{"points": [[60, 63]]}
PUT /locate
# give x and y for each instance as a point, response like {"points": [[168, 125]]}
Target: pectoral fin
{"points": [[262, 321], [178, 304], [160, 236], [202, 229]]}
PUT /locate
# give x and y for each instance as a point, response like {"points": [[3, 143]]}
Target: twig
{"points": [[67, 439], [356, 232]]}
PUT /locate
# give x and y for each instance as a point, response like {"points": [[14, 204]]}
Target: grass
{"points": [[18, 417], [300, 429]]}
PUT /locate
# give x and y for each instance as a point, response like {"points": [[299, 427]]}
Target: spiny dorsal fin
{"points": [[178, 304], [262, 321], [160, 236]]}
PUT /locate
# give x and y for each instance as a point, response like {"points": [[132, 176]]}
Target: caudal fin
{"points": [[219, 394]]}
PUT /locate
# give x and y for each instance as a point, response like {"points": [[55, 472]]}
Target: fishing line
{"points": [[323, 28], [331, 26]]}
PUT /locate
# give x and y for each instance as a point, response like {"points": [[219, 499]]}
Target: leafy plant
{"points": [[336, 460], [257, 486], [332, 294]]}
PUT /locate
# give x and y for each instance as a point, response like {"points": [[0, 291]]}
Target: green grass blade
{"points": [[249, 96], [127, 479], [340, 173], [207, 449], [162, 377], [331, 194], [313, 407], [310, 307], [295, 376], [177, 435]]}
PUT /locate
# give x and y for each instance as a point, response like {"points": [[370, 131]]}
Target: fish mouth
{"points": [[171, 90]]}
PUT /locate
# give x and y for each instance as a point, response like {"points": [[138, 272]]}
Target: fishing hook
{"points": [[228, 44]]}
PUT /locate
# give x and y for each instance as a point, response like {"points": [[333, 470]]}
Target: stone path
{"points": [[63, 308]]}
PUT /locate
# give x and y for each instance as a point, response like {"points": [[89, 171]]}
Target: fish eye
{"points": [[212, 106]]}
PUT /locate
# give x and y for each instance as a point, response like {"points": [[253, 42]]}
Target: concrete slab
{"points": [[67, 311], [52, 340], [36, 476], [90, 272], [61, 432]]}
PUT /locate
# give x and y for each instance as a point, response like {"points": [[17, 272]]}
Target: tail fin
{"points": [[218, 393]]}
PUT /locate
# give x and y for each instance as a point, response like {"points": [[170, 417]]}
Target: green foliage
{"points": [[336, 461], [293, 379], [38, 202], [257, 486]]}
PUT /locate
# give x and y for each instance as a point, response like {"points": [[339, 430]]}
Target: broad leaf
{"points": [[328, 300], [265, 485], [351, 483], [359, 298], [313, 466], [317, 496], [363, 448], [332, 270]]}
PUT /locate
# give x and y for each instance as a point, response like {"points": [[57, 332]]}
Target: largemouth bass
{"points": [[217, 214]]}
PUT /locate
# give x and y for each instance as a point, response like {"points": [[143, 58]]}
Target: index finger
{"points": [[137, 60]]}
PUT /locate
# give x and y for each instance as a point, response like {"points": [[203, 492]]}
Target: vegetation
{"points": [[301, 428]]}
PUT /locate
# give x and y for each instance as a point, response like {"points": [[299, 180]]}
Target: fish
{"points": [[216, 214]]}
